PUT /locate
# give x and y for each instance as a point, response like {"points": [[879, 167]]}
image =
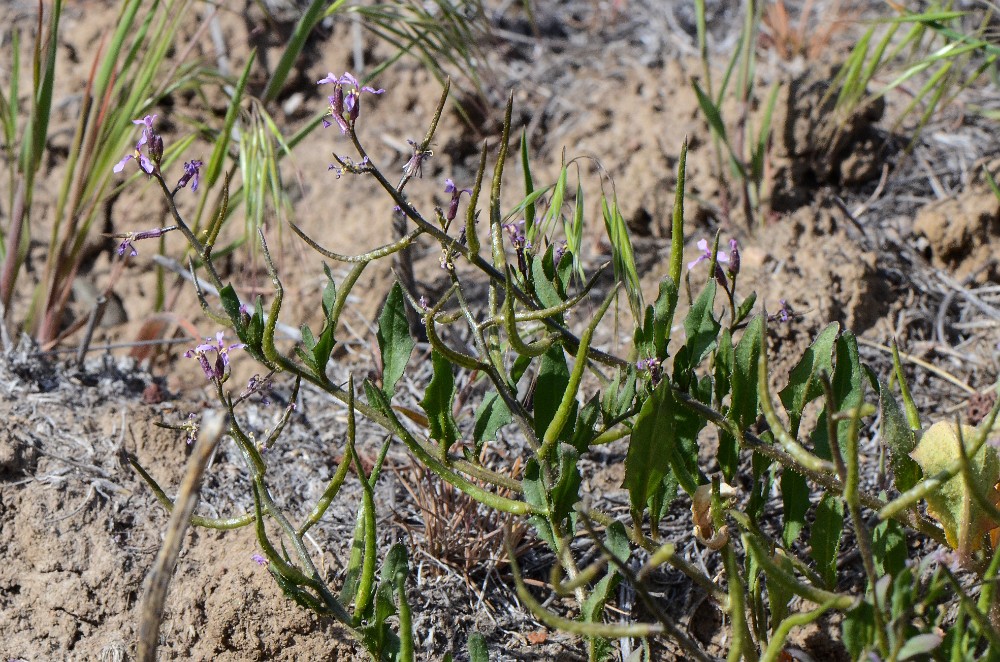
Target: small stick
{"points": [[96, 313], [155, 594]]}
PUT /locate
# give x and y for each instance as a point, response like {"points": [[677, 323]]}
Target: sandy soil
{"points": [[906, 252]]}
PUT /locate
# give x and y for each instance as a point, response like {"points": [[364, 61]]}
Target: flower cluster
{"points": [[148, 152], [345, 102], [213, 369]]}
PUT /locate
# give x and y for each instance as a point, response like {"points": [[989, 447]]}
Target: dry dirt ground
{"points": [[892, 245]]}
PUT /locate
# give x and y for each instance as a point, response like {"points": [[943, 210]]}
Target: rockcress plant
{"points": [[697, 411]]}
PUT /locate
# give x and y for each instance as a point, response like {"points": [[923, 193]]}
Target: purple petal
{"points": [[348, 79], [121, 164], [692, 264], [330, 78], [449, 186], [146, 164], [373, 90]]}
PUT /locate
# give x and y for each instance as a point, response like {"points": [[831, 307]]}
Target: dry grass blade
{"points": [[455, 529]]}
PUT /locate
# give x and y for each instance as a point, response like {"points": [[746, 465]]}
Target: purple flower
{"points": [[258, 559], [734, 258], [652, 366], [149, 140], [216, 369], [706, 254], [415, 166], [784, 314], [192, 173], [191, 427], [520, 243], [129, 237], [259, 385], [559, 251], [349, 166], [456, 194], [345, 105]]}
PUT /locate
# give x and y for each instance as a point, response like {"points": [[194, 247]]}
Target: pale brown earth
{"points": [[79, 530]]}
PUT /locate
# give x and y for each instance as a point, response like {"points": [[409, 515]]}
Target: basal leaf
{"points": [[477, 648]]}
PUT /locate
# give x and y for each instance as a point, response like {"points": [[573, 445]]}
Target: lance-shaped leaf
{"points": [[653, 448], [438, 401], [803, 383], [897, 436], [394, 341]]}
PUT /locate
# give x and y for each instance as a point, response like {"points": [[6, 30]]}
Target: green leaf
{"points": [[889, 551], [899, 439], [567, 490], [394, 340], [663, 317], [491, 415], [552, 382], [827, 531], [583, 431], [745, 308], [653, 448], [477, 648], [231, 304], [858, 629], [438, 401], [763, 476], [535, 495], [529, 183], [795, 501], [616, 540], [701, 326], [921, 644], [778, 592], [803, 383], [662, 497], [848, 392], [545, 290], [329, 292], [622, 255], [743, 410], [728, 451]]}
